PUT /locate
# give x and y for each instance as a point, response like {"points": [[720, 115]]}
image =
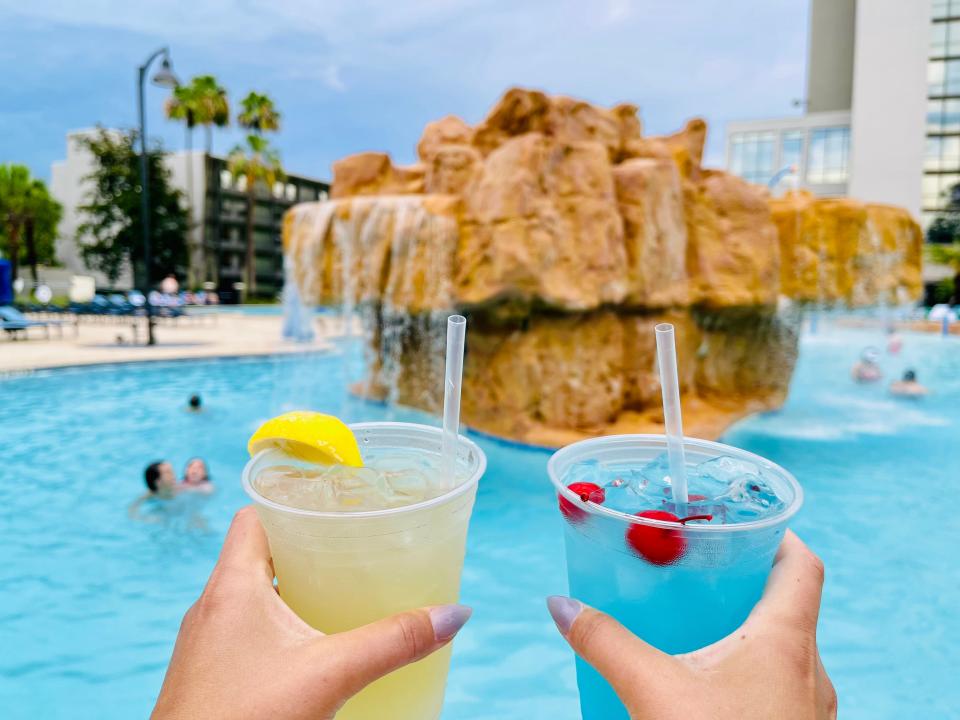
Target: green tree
{"points": [[212, 106], [111, 235], [259, 166], [949, 255], [201, 102], [259, 114], [943, 239], [28, 219]]}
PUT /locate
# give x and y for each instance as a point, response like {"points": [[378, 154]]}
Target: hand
{"points": [[768, 668], [242, 653]]}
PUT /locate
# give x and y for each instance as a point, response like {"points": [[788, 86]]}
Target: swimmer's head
{"points": [[870, 355], [159, 476], [196, 472], [194, 402], [910, 376]]}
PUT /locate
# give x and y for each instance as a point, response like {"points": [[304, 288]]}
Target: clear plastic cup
{"points": [[341, 570], [679, 606]]}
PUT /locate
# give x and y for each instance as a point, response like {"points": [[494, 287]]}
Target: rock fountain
{"points": [[565, 235]]}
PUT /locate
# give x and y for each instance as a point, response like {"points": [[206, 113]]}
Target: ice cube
{"points": [[354, 488], [405, 486], [585, 471], [715, 477]]}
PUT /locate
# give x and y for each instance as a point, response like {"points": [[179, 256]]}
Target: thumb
{"points": [[630, 665], [386, 645]]}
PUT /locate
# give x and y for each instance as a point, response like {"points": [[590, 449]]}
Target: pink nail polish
{"points": [[448, 619], [564, 611]]}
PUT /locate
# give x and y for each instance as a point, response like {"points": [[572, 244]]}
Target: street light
{"points": [[164, 77]]}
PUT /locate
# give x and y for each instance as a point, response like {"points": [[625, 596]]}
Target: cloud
{"points": [[331, 76], [363, 74]]}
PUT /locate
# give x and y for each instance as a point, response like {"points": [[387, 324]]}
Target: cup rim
{"points": [[589, 506], [464, 487]]}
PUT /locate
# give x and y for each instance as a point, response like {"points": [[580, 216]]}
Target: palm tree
{"points": [[200, 102], [182, 105], [949, 255], [259, 114], [211, 106], [26, 211], [258, 165]]}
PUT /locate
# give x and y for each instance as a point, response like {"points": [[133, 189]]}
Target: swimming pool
{"points": [[92, 600]]}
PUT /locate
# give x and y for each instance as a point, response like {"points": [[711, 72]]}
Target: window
{"points": [[226, 179], [952, 82], [937, 190], [943, 116], [945, 37], [952, 35], [931, 156], [935, 76], [935, 116], [752, 155], [736, 154], [931, 190], [791, 149], [827, 156], [943, 153], [950, 122], [943, 77], [938, 40], [945, 8]]}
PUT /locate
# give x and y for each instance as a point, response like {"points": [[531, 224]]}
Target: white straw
{"points": [[456, 334], [673, 423]]}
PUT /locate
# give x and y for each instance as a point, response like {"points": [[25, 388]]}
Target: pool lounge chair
{"points": [[12, 328], [15, 321]]}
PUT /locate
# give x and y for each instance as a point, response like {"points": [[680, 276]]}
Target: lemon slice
{"points": [[311, 436]]}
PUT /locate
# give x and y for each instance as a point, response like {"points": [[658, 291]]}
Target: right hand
{"points": [[768, 668]]}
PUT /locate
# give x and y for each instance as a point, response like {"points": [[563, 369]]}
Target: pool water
{"points": [[92, 599]]}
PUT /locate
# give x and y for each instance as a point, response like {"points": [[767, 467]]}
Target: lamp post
{"points": [[163, 78]]}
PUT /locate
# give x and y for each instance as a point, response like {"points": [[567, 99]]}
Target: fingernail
{"points": [[564, 611], [448, 619]]}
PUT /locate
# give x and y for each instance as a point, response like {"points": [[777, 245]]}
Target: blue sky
{"points": [[352, 75]]}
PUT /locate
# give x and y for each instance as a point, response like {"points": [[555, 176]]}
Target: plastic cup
{"points": [[340, 570], [683, 605]]}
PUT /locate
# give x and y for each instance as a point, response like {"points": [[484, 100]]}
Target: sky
{"points": [[354, 75]]}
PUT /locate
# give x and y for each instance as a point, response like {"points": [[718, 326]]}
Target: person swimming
{"points": [[195, 404], [866, 370], [894, 341], [196, 477], [160, 479], [161, 484], [908, 386]]}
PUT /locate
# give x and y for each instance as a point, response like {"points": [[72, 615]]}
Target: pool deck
{"points": [[93, 341]]}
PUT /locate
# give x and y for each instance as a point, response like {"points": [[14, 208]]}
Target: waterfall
{"points": [[387, 262]]}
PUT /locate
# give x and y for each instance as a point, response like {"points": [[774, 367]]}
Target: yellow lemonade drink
{"points": [[352, 545]]}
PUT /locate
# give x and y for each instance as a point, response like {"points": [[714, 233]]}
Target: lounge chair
{"points": [[12, 328], [17, 321]]}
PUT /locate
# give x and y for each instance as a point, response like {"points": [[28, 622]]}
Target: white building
{"points": [[864, 132], [70, 188], [218, 213]]}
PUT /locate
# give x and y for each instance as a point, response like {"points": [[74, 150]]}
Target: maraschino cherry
{"points": [[660, 545], [588, 492]]}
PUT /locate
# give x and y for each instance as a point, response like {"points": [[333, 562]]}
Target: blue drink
{"points": [[678, 585]]}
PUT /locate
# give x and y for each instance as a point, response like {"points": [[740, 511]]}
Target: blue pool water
{"points": [[92, 600]]}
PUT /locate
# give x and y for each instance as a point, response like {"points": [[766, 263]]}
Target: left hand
{"points": [[242, 653]]}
